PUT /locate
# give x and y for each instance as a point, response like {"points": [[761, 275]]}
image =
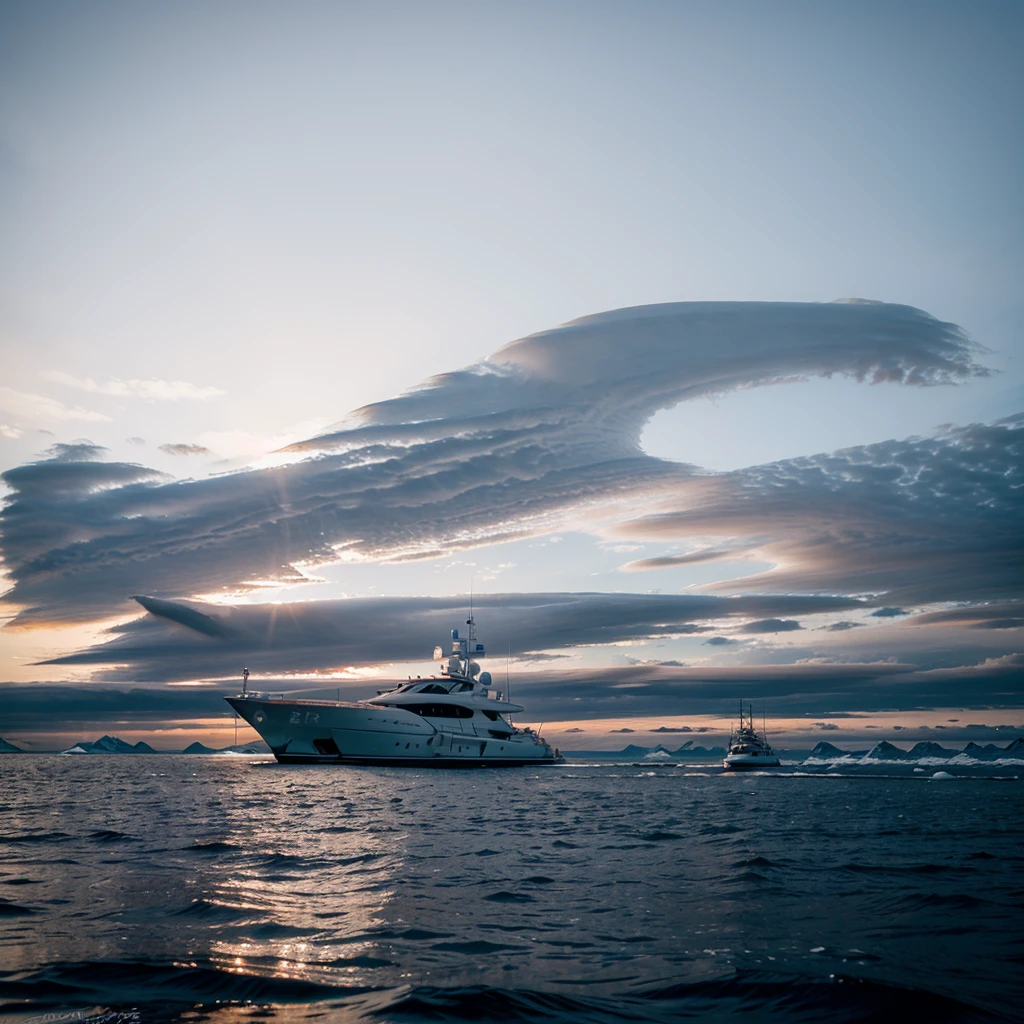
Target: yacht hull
{"points": [[334, 732], [750, 763], [417, 762]]}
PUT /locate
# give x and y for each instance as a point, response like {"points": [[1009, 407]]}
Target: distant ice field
{"points": [[187, 888]]}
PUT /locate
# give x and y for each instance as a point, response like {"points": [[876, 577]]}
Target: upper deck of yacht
{"points": [[461, 691]]}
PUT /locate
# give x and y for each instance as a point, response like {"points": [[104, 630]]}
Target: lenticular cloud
{"points": [[518, 443]]}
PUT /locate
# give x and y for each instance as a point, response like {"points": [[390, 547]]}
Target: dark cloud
{"points": [[888, 613], [814, 689], [987, 615], [185, 449], [81, 450], [825, 725], [772, 626], [513, 445], [719, 641], [623, 730], [671, 728], [841, 626], [45, 706], [188, 640], [575, 730], [669, 561]]}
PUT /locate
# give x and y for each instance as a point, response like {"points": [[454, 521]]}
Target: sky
{"points": [[686, 335]]}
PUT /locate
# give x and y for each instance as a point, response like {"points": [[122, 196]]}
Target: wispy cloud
{"points": [[150, 389], [185, 449], [32, 407], [540, 434]]}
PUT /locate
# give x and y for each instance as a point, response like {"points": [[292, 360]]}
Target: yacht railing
{"points": [[496, 695]]}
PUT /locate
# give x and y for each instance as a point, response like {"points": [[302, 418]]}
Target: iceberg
{"points": [[109, 745], [827, 750], [927, 753], [886, 751], [927, 749], [634, 751]]}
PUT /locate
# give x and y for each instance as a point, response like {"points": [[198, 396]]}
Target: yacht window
{"points": [[434, 688], [461, 688], [439, 710]]}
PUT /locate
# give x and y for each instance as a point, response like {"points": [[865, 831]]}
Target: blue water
{"points": [[190, 888]]}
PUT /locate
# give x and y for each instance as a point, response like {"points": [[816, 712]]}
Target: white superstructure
{"points": [[747, 749], [455, 719]]}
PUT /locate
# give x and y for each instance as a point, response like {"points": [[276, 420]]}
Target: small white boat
{"points": [[452, 720], [747, 748]]}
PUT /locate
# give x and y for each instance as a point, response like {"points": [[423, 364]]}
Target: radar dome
{"points": [[485, 678]]}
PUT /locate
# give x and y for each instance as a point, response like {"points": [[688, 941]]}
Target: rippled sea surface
{"points": [[195, 888]]}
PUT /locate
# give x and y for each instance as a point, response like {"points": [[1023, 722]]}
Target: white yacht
{"points": [[748, 749], [452, 720]]}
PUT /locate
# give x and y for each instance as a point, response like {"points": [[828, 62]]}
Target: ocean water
{"points": [[214, 888]]}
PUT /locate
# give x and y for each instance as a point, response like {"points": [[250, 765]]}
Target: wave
{"points": [[187, 987], [911, 869], [839, 1000], [109, 835], [38, 837], [8, 909], [160, 985], [509, 897], [213, 847], [210, 909]]}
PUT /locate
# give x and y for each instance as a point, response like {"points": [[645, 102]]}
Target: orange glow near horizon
{"points": [[943, 725]]}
